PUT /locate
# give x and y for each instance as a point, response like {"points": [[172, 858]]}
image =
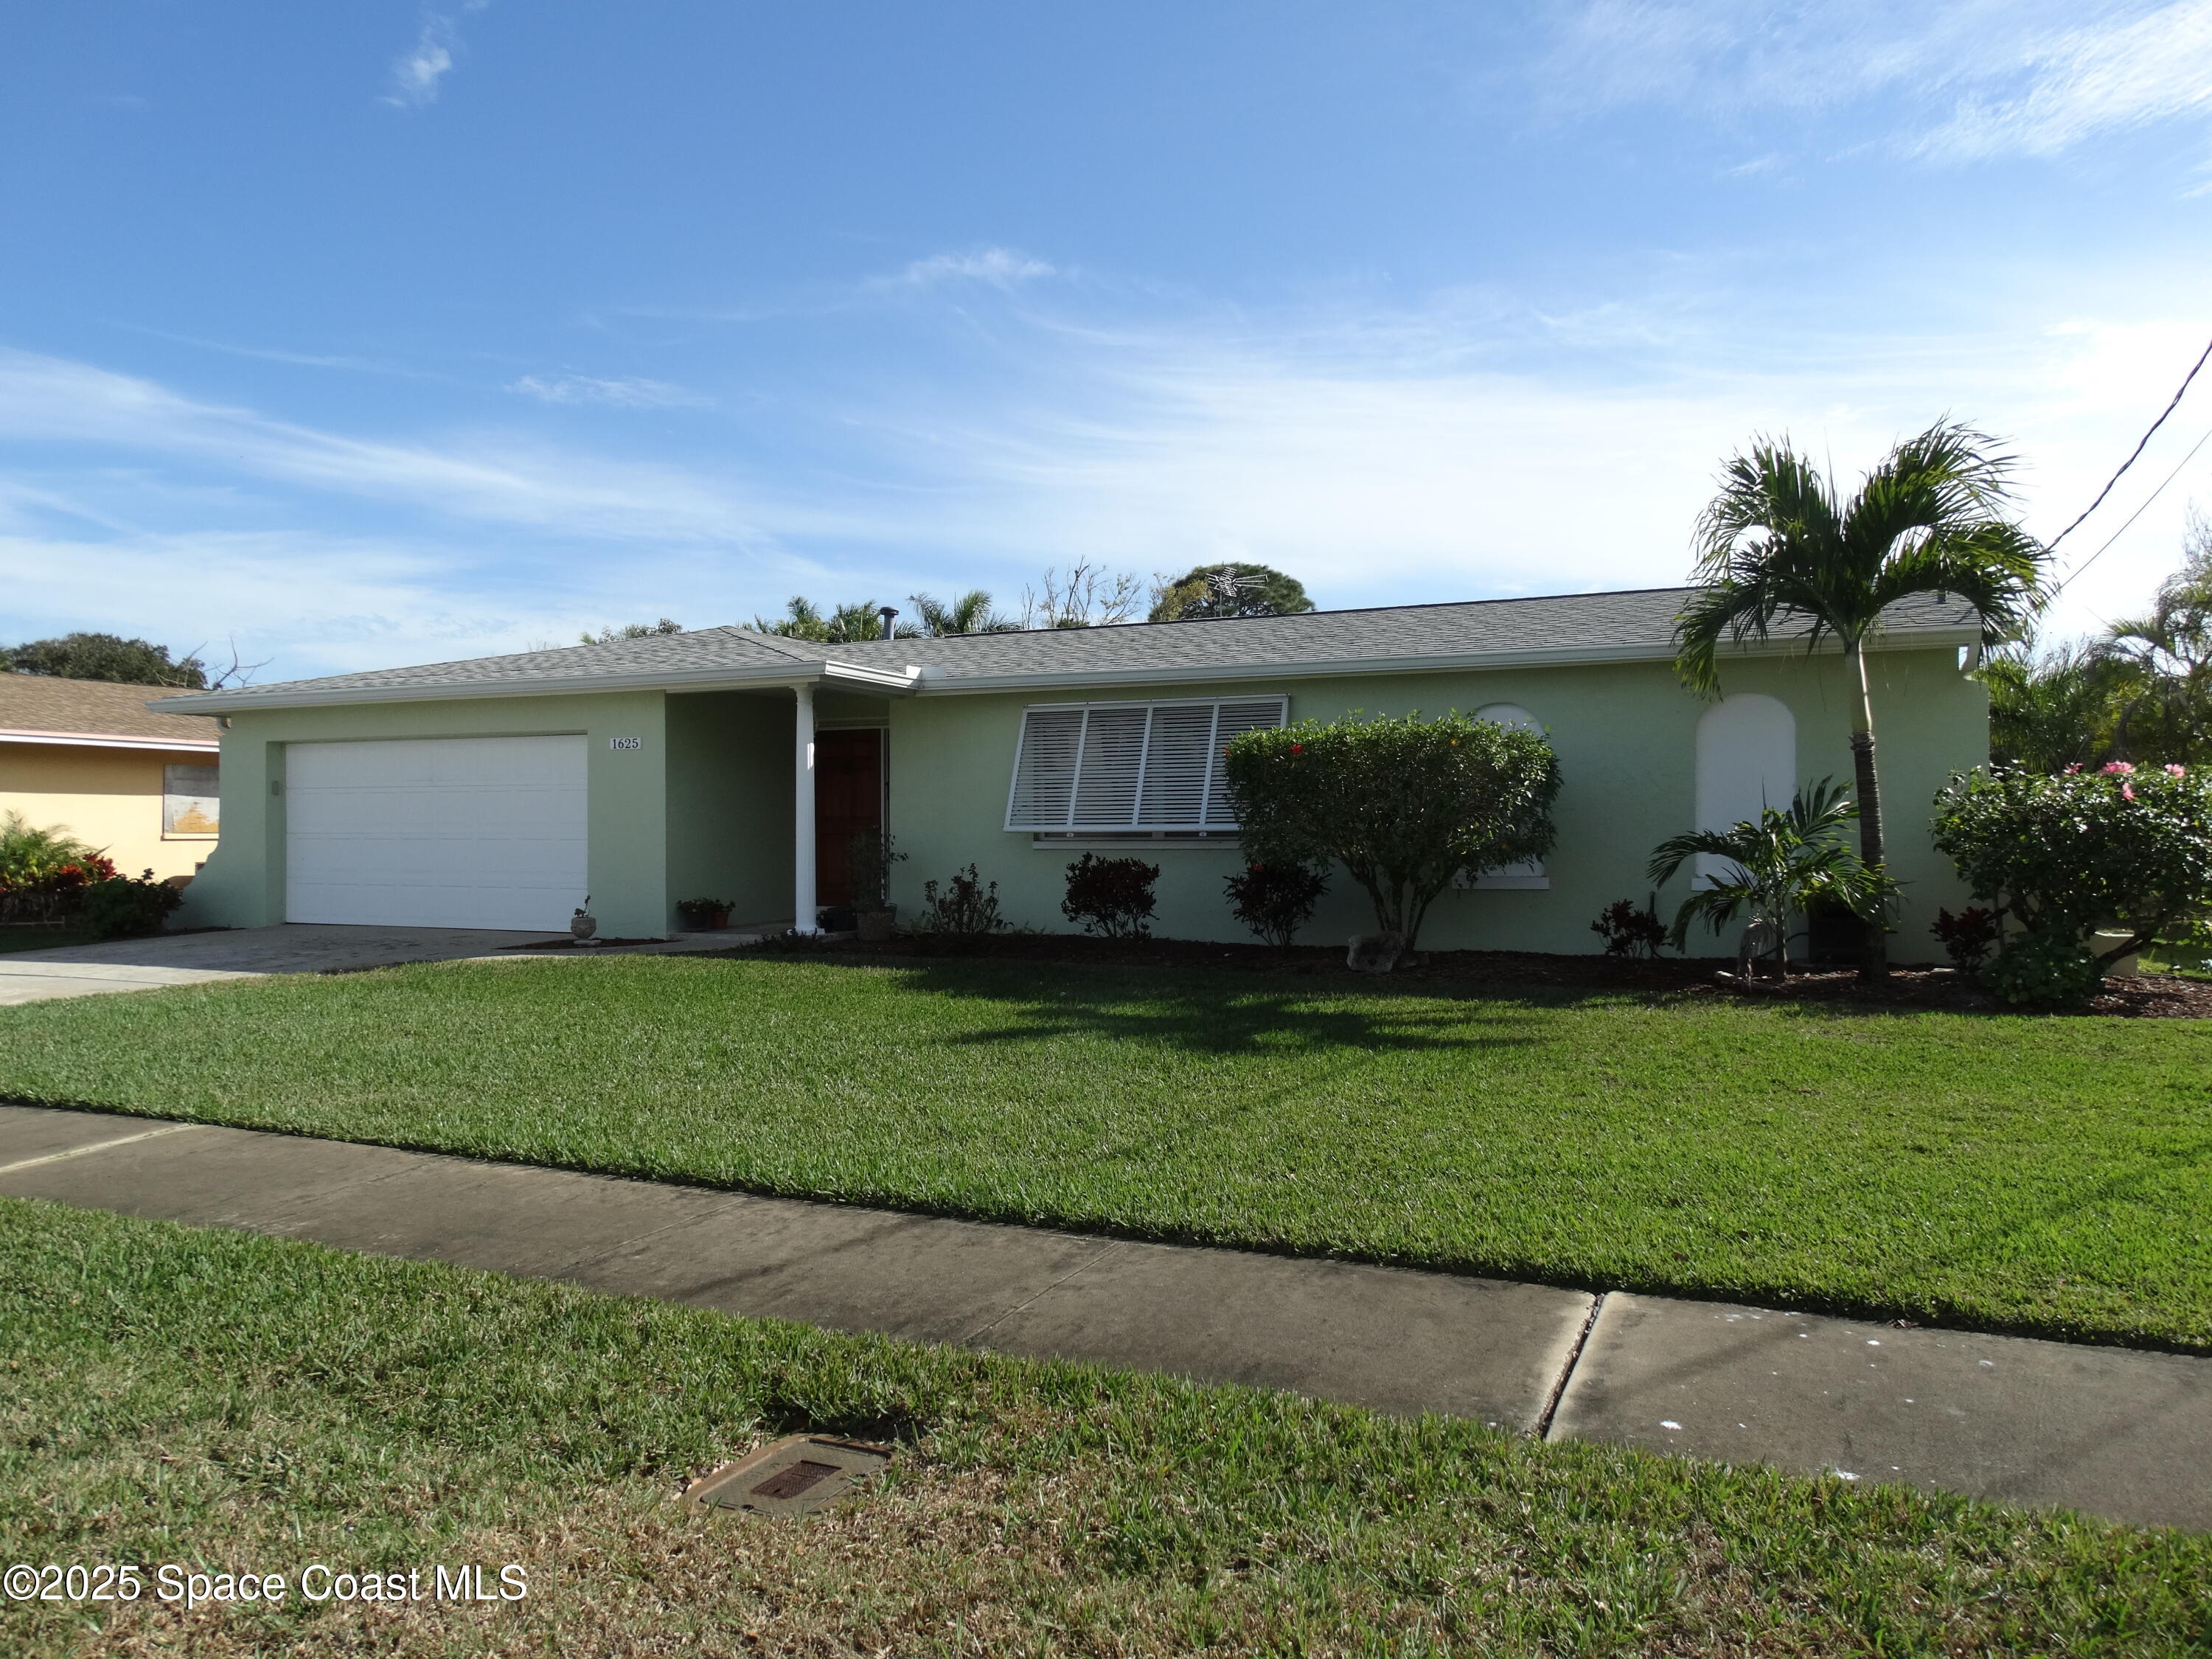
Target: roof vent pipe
{"points": [[888, 614]]}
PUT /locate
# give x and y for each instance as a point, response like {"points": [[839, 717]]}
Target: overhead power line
{"points": [[2052, 544], [2132, 517]]}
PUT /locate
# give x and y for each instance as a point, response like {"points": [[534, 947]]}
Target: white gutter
{"points": [[108, 740], [935, 683], [899, 680]]}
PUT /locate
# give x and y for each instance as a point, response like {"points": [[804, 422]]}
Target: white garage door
{"points": [[441, 832]]}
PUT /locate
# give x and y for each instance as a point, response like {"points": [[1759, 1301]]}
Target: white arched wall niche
{"points": [[1746, 760], [1531, 874]]}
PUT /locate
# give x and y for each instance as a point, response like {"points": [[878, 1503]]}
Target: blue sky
{"points": [[377, 334]]}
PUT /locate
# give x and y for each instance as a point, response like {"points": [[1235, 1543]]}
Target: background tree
{"points": [[848, 624], [1212, 592], [969, 613], [2048, 709], [1779, 543], [630, 631], [1403, 803], [2159, 666], [104, 657], [1086, 597]]}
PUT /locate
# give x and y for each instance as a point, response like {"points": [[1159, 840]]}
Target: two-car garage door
{"points": [[438, 832]]}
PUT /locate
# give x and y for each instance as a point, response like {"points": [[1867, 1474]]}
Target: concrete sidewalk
{"points": [[142, 964], [2112, 1431]]}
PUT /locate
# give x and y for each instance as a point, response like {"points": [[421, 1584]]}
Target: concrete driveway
{"points": [[141, 965]]}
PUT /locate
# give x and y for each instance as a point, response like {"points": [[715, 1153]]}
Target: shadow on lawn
{"points": [[1222, 1015]]}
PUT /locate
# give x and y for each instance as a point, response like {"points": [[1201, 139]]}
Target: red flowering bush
{"points": [[2115, 850]]}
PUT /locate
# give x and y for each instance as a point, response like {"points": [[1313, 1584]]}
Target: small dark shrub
{"points": [[115, 907], [1275, 900], [1967, 937], [1112, 896], [967, 909], [2046, 969], [1629, 931], [869, 856]]}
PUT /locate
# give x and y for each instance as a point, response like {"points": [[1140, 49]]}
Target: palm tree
{"points": [[2162, 663], [970, 613], [1778, 542]]}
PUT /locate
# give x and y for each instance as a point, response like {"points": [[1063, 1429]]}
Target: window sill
{"points": [[1138, 840]]}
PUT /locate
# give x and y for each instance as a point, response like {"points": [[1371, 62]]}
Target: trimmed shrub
{"points": [[2118, 850], [1275, 900], [1403, 803], [116, 907], [1112, 896], [2046, 969], [966, 909]]}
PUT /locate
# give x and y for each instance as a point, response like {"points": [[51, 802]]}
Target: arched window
{"points": [[1531, 874], [1746, 760]]}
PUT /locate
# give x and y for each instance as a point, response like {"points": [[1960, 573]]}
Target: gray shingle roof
{"points": [[1563, 628]]}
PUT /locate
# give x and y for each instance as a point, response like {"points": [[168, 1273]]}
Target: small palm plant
{"points": [[1782, 863]]}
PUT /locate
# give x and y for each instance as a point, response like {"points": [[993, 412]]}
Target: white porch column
{"points": [[802, 813]]}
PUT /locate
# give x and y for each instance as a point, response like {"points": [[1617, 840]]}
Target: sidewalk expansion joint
{"points": [[96, 1147], [1543, 1429], [1082, 1266]]}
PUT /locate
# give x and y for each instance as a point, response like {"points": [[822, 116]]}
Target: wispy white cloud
{"points": [[623, 391], [1976, 79], [998, 266], [2081, 83], [499, 479], [417, 72]]}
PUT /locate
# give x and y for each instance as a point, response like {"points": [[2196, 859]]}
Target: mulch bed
{"points": [[566, 943], [2150, 997]]}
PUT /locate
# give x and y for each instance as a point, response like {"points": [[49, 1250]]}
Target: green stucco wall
{"points": [[1626, 736], [243, 885], [729, 801]]}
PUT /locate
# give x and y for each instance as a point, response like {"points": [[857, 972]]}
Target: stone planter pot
{"points": [[2126, 966], [876, 926], [1374, 953], [582, 926]]}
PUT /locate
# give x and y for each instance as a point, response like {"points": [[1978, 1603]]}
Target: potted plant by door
{"points": [[700, 915], [869, 856]]}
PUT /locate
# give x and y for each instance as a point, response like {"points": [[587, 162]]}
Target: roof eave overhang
{"points": [[109, 740], [899, 682], [1921, 639]]}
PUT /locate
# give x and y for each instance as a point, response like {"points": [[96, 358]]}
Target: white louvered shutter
{"points": [[1043, 796], [1256, 715], [1175, 773], [1112, 761], [1120, 767]]}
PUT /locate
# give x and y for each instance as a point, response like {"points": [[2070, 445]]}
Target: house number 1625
{"points": [[625, 743]]}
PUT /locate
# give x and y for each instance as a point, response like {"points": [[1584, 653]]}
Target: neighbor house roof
{"points": [[95, 714], [1563, 629]]}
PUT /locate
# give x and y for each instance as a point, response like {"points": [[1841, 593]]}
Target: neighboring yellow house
{"points": [[90, 757]]}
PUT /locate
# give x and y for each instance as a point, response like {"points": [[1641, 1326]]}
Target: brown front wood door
{"points": [[849, 796]]}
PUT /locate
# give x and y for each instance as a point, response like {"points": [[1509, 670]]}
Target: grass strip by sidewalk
{"points": [[238, 1403], [2005, 1172]]}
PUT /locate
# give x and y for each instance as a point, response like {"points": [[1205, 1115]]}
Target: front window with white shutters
{"points": [[1131, 770]]}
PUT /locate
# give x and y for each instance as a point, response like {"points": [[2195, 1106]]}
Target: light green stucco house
{"points": [[499, 793]]}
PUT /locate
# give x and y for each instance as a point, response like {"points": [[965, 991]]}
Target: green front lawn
{"points": [[231, 1403], [2040, 1174]]}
